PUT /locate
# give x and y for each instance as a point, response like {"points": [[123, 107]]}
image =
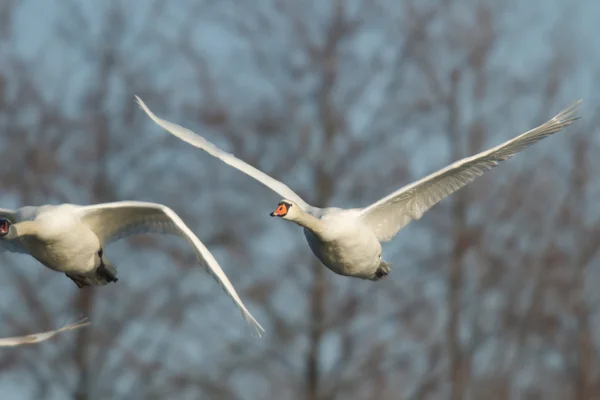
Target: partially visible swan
{"points": [[39, 337], [70, 238], [347, 241]]}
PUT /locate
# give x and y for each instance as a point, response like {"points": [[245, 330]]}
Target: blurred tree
{"points": [[491, 295]]}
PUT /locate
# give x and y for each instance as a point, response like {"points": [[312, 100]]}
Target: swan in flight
{"points": [[39, 337], [348, 241], [71, 238]]}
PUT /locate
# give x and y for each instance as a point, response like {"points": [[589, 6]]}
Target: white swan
{"points": [[347, 241], [70, 238], [39, 337]]}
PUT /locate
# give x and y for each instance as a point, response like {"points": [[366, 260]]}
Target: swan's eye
{"points": [[4, 226]]}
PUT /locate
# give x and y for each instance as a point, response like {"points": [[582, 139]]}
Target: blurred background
{"points": [[492, 295]]}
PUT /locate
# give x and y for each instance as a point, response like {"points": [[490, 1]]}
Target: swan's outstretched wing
{"points": [[388, 215], [11, 215], [198, 141], [113, 221], [14, 246], [39, 337]]}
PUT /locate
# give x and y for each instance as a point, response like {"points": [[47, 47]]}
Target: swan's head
{"points": [[6, 228], [286, 209]]}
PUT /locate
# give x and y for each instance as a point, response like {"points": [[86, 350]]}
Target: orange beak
{"points": [[280, 211], [4, 226]]}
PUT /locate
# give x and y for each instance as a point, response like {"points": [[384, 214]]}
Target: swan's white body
{"points": [[348, 241], [345, 244], [70, 238], [62, 242]]}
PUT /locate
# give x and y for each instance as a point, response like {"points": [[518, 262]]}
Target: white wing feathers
{"points": [[198, 141], [121, 219], [388, 215], [11, 215], [39, 337], [113, 221]]}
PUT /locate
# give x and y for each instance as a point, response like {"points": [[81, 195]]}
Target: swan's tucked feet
{"points": [[107, 271], [103, 275], [384, 269], [78, 279], [98, 278]]}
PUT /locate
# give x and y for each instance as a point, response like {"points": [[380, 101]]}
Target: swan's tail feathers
{"points": [[383, 270], [102, 276]]}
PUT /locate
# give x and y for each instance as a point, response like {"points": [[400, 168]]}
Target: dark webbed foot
{"points": [[94, 279], [107, 272], [380, 273], [79, 281], [383, 270], [103, 275]]}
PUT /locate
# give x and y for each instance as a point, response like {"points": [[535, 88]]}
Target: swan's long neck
{"points": [[310, 222], [25, 228]]}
